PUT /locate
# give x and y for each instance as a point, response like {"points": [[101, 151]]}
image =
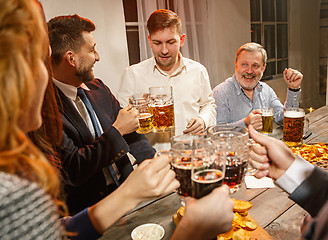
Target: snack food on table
{"points": [[242, 224], [314, 153], [241, 206]]}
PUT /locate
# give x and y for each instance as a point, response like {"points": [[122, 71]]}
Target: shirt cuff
{"points": [[295, 175], [293, 98], [208, 120], [241, 122], [80, 227]]}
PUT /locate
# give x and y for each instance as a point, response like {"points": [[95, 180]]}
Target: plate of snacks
{"points": [[317, 154], [244, 227], [242, 223]]}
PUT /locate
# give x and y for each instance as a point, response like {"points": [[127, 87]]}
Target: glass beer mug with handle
{"points": [[197, 167], [208, 166], [181, 154], [161, 105], [295, 125], [237, 143], [140, 101]]}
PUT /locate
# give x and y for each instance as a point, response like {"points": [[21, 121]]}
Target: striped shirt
{"points": [[26, 211]]}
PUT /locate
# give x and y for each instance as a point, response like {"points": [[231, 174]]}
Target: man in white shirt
{"points": [[305, 183], [194, 106]]}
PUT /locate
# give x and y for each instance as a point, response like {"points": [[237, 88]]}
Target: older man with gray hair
{"points": [[240, 97]]}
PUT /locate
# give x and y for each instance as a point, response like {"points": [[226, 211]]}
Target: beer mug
{"points": [[181, 153], [196, 166], [236, 152], [295, 124], [267, 120], [208, 167], [161, 106], [140, 102]]}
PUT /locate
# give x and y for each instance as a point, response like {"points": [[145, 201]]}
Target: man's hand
{"points": [[293, 78], [254, 119], [206, 217], [270, 156], [127, 120], [196, 125]]}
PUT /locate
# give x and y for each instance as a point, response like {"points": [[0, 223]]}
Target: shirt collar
{"points": [[69, 90], [239, 88], [176, 72]]}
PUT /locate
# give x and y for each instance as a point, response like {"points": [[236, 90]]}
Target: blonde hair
{"points": [[23, 42]]}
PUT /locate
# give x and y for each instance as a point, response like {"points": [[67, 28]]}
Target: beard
{"points": [[255, 79], [85, 74]]}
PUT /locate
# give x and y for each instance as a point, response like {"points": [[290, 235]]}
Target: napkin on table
{"points": [[253, 182]]}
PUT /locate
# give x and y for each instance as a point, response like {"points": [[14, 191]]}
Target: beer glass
{"points": [[208, 167], [161, 105], [140, 102], [267, 120], [195, 165], [181, 153], [293, 126], [236, 152]]}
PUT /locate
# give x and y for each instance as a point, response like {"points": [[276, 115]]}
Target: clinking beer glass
{"points": [[236, 152], [161, 105], [197, 167], [140, 102], [293, 129]]}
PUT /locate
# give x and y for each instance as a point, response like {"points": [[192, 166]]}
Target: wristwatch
{"points": [[294, 90]]}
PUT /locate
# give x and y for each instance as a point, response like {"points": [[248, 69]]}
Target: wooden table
{"points": [[272, 209]]}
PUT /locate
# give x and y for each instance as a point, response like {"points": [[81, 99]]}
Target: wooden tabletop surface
{"points": [[272, 209]]}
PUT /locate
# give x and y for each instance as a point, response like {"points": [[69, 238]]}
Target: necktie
{"points": [[85, 100]]}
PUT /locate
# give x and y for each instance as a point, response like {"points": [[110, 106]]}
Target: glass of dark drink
{"points": [[181, 154], [232, 143], [208, 168]]}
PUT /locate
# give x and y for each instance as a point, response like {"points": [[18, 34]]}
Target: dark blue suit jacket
{"points": [[312, 195], [83, 157]]}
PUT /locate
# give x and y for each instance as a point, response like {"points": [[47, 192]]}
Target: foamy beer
{"points": [[140, 102], [267, 120], [293, 126], [161, 106]]}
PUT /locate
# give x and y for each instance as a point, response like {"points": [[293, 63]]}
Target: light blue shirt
{"points": [[233, 105]]}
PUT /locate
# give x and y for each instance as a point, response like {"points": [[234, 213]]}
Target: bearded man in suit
{"points": [[98, 133]]}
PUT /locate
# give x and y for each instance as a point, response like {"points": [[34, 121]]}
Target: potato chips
{"points": [[241, 223], [314, 153]]}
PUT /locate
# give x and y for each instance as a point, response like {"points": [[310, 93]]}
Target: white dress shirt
{"points": [[192, 91]]}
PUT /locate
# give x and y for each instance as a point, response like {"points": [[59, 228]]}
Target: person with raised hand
{"points": [[306, 184], [240, 97]]}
